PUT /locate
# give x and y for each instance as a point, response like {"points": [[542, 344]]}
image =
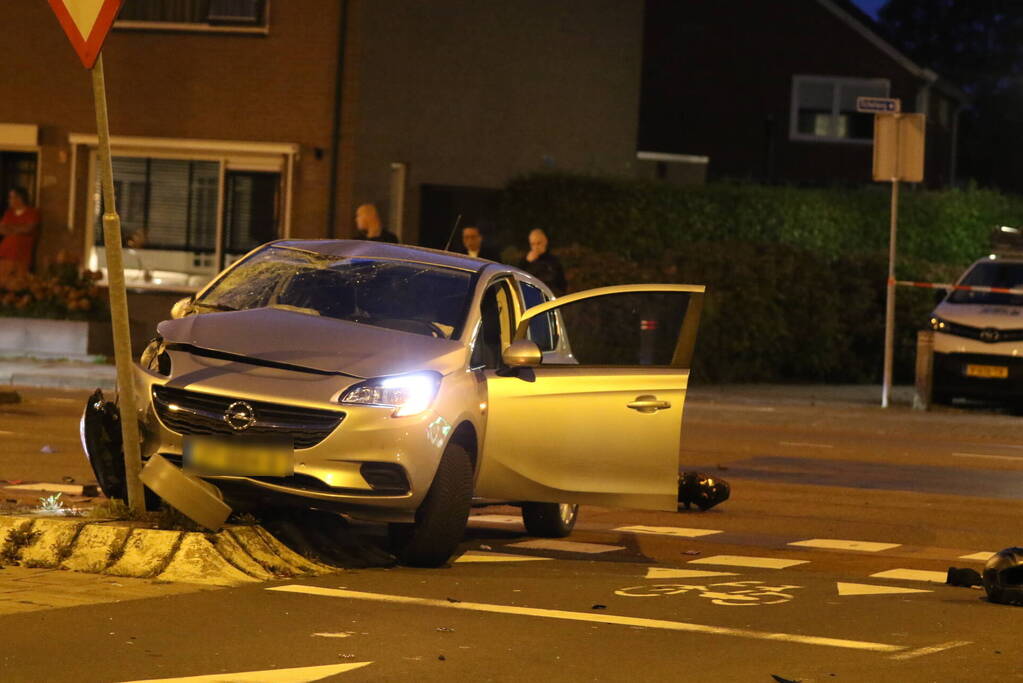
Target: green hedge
{"points": [[796, 277], [639, 218]]}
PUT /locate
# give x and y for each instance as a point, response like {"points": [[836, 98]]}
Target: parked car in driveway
{"points": [[400, 384]]}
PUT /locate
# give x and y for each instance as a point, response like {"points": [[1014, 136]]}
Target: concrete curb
{"points": [[233, 556]]}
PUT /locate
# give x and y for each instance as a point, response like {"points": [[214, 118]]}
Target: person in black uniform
{"points": [[367, 222], [543, 264]]}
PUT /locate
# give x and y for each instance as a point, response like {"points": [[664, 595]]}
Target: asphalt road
{"points": [[827, 564]]}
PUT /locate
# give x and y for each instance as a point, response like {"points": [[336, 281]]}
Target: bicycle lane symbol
{"points": [[731, 593]]}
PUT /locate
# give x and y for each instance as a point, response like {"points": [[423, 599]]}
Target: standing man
{"points": [[543, 264], [473, 244], [18, 229], [367, 222]]}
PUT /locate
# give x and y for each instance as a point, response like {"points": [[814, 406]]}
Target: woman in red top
{"points": [[18, 228]]}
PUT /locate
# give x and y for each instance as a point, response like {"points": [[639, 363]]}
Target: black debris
{"points": [[599, 607], [963, 577], [442, 658], [783, 680], [453, 600]]}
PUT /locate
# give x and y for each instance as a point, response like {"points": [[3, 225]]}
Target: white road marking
{"points": [[837, 544], [480, 556], [990, 457], [912, 575], [668, 531], [566, 546], [595, 618], [921, 651], [496, 519], [669, 573], [7, 433], [305, 674], [748, 561], [979, 557], [865, 589], [340, 634], [805, 444]]}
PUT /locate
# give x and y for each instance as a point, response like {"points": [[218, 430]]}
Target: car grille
{"points": [[195, 413], [984, 334]]}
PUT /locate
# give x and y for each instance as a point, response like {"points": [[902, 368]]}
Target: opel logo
{"points": [[240, 415], [989, 335]]}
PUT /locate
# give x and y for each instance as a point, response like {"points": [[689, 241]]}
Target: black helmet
{"points": [[1003, 577], [701, 490]]}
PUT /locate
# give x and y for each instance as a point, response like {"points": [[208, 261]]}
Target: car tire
{"points": [[441, 519], [549, 520]]}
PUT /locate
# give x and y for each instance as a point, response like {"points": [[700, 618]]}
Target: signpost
{"points": [[898, 156], [87, 23]]}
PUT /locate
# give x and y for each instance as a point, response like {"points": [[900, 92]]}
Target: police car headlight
{"points": [[407, 394], [939, 325]]}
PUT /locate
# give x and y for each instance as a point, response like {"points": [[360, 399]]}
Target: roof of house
{"points": [[862, 23]]}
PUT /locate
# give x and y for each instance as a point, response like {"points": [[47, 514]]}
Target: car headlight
{"points": [[407, 394], [939, 325], [155, 357]]}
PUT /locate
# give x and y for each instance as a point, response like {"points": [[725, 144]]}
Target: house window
{"points": [[824, 108], [183, 220], [244, 16]]}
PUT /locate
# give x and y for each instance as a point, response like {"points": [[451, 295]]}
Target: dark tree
{"points": [[977, 45]]}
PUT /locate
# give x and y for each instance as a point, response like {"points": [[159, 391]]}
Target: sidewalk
{"points": [[56, 374]]}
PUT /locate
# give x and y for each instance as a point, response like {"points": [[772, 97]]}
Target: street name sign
{"points": [[86, 23], [878, 105]]}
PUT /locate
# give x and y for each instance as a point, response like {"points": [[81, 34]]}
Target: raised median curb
{"points": [[233, 556]]}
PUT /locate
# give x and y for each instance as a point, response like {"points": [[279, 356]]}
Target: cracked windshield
{"points": [[398, 295]]}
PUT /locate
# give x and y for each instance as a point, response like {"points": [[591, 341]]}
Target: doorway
{"points": [[18, 169], [441, 205]]}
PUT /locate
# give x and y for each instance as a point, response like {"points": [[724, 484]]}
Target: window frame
{"points": [[186, 27], [838, 82], [231, 155]]}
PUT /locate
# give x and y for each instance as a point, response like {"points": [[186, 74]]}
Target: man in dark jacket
{"points": [[543, 264], [367, 222], [474, 244]]}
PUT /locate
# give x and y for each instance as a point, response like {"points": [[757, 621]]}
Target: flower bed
{"points": [[60, 293]]}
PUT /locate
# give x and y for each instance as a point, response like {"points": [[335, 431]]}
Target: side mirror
{"points": [[183, 307], [522, 354]]}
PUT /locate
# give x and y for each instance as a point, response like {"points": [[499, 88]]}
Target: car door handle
{"points": [[648, 404]]}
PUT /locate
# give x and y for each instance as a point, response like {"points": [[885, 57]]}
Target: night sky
{"points": [[870, 6]]}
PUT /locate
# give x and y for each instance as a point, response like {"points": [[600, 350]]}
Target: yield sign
{"points": [[86, 23]]}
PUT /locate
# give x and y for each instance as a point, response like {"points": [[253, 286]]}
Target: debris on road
{"points": [[10, 397], [965, 578], [1003, 577], [48, 449], [695, 488]]}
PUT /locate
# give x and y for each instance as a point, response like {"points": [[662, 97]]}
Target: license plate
{"points": [[988, 371], [239, 456]]}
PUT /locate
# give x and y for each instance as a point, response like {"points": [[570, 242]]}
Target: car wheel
{"points": [[441, 519], [549, 520]]}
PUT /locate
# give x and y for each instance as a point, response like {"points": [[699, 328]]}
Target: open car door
{"points": [[600, 421]]}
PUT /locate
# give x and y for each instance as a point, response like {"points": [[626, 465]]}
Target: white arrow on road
{"points": [[305, 674], [865, 589]]}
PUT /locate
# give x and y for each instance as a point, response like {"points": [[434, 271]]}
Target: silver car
{"points": [[404, 385]]}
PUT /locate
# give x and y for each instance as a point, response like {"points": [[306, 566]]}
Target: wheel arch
{"points": [[465, 435]]}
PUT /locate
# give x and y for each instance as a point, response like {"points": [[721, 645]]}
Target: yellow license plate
{"points": [[238, 456], [988, 371]]}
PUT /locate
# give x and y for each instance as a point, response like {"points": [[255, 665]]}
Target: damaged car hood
{"points": [[283, 337]]}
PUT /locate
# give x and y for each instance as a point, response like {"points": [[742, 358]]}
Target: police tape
{"points": [[958, 288]]}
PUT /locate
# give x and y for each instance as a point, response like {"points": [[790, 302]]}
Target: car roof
{"points": [[369, 249]]}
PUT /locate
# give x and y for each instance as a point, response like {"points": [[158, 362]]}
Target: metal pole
{"points": [[889, 324], [118, 300]]}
